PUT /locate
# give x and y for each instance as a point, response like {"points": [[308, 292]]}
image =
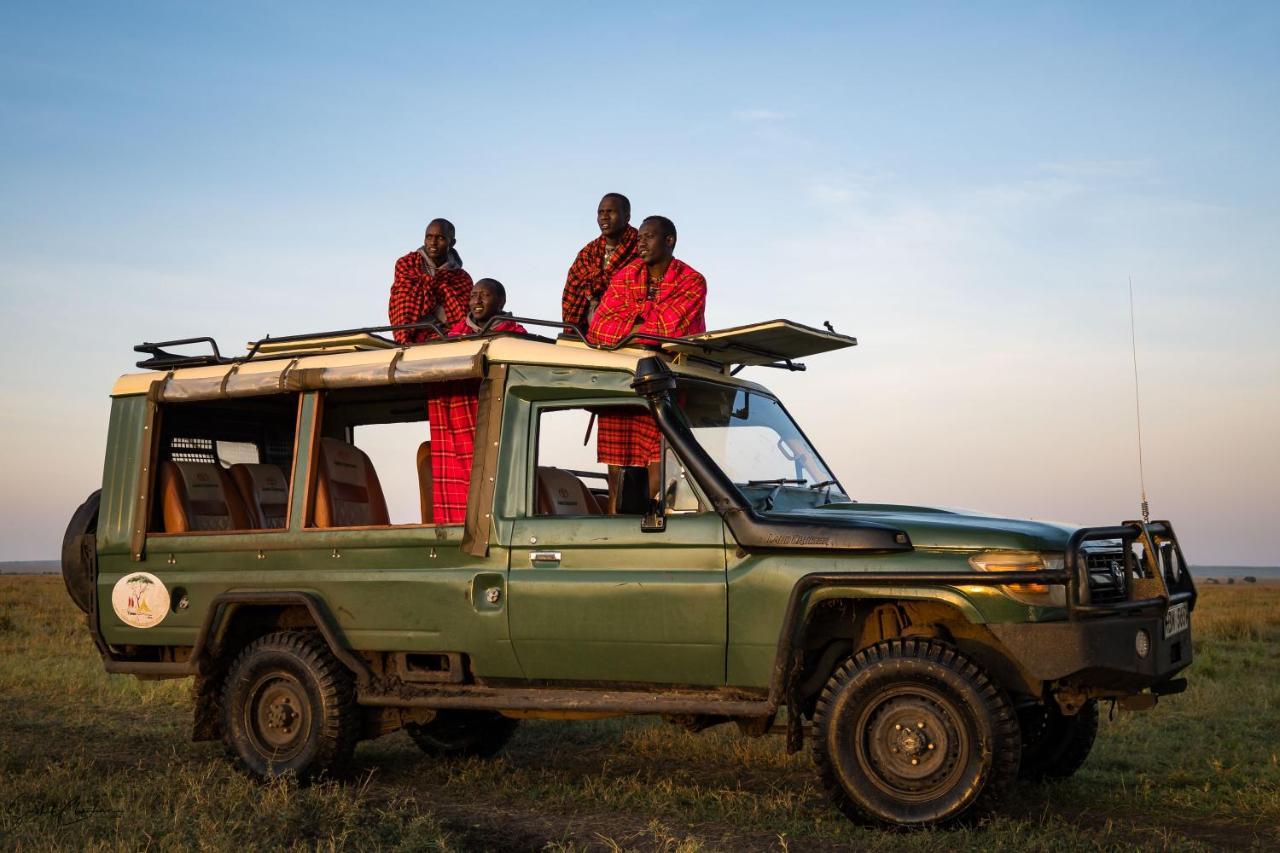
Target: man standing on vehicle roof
{"points": [[452, 409], [430, 284], [599, 261], [658, 294]]}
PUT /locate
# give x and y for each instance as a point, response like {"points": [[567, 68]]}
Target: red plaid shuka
{"points": [[677, 308], [627, 436], [452, 412], [416, 295], [590, 275], [464, 327]]}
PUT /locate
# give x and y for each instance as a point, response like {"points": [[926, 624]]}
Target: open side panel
{"points": [[761, 343]]}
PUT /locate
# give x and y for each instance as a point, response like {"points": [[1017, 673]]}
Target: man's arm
{"points": [[575, 299], [681, 310], [452, 289], [405, 305], [617, 312]]}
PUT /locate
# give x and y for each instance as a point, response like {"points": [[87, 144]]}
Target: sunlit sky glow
{"points": [[964, 187]]}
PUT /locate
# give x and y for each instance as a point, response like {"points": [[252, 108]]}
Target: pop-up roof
{"points": [[761, 343]]}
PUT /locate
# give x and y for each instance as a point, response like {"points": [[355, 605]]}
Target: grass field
{"points": [[91, 761]]}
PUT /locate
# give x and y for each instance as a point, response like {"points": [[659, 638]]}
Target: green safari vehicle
{"points": [[267, 524]]}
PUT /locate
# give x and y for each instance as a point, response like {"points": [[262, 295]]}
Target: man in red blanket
{"points": [[599, 261], [430, 284], [452, 411], [655, 293]]}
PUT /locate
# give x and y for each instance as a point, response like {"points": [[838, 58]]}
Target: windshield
{"points": [[758, 446]]}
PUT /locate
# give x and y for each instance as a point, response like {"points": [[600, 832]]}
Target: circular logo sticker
{"points": [[140, 600]]}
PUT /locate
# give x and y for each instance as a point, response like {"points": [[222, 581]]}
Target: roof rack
{"points": [[723, 347], [163, 360]]}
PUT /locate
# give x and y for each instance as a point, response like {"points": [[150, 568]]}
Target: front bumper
{"points": [[1099, 653], [1098, 646]]}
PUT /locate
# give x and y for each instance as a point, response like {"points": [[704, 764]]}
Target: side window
{"points": [[572, 476], [568, 478], [394, 455], [224, 465], [679, 495]]}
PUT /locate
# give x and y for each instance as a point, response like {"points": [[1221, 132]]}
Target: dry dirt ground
{"points": [[92, 761]]}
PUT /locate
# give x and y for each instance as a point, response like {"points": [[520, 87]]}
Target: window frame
{"points": [[151, 470]]}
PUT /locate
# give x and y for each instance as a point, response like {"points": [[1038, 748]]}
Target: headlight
{"points": [[1037, 594]]}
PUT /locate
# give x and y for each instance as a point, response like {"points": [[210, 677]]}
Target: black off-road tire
{"points": [[289, 707], [462, 734], [914, 700], [1055, 746], [77, 568]]}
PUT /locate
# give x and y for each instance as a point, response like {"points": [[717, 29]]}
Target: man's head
{"points": [[613, 215], [438, 240], [488, 297], [657, 240]]}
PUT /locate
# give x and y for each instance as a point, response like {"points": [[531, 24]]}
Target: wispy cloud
{"points": [[760, 116]]}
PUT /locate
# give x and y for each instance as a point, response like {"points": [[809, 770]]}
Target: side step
{"points": [[728, 703]]}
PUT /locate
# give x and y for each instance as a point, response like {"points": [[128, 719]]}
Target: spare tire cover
{"points": [[77, 560]]}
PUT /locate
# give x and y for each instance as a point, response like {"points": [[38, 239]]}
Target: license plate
{"points": [[1176, 619]]}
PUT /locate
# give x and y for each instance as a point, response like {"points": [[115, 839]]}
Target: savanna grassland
{"points": [[92, 761]]}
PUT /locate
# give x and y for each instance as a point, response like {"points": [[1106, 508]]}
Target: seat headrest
{"points": [[562, 493], [265, 492], [348, 493], [199, 496]]}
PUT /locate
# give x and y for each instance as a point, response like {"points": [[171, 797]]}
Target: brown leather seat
{"points": [[425, 496], [348, 493], [561, 493], [265, 492], [198, 496]]}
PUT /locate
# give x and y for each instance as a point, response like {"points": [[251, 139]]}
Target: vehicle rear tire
{"points": [[1054, 746], [912, 733], [77, 567], [289, 707], [460, 734]]}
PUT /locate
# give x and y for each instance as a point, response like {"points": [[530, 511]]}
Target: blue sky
{"points": [[964, 187]]}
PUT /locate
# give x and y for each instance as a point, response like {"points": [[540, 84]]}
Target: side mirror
{"points": [[655, 515], [655, 518]]}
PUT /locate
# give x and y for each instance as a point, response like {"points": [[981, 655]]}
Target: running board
{"points": [[719, 703]]}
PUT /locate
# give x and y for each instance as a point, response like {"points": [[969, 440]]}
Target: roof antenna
{"points": [[1137, 406]]}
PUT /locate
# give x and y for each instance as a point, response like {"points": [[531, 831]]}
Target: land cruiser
{"points": [[245, 535]]}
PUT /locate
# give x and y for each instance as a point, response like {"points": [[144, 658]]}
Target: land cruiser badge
{"points": [[140, 600]]}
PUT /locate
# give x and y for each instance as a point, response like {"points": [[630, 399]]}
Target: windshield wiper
{"points": [[780, 481], [822, 485]]}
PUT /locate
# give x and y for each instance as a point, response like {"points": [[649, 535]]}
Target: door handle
{"points": [[544, 556]]}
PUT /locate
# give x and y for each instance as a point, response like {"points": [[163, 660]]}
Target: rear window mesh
{"points": [[191, 449]]}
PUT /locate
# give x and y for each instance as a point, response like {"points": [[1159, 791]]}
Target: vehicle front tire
{"points": [[460, 734], [1055, 746], [912, 733], [289, 707]]}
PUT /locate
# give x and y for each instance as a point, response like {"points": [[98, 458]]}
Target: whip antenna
{"points": [[1137, 407]]}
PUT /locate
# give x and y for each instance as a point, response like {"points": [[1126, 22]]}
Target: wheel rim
{"points": [[278, 716], [912, 743]]}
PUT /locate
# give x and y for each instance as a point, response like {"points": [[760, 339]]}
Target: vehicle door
{"points": [[593, 596]]}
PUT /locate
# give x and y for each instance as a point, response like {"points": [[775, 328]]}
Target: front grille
{"points": [[1107, 579]]}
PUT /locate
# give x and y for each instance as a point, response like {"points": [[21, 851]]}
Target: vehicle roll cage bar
{"points": [[162, 359]]}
